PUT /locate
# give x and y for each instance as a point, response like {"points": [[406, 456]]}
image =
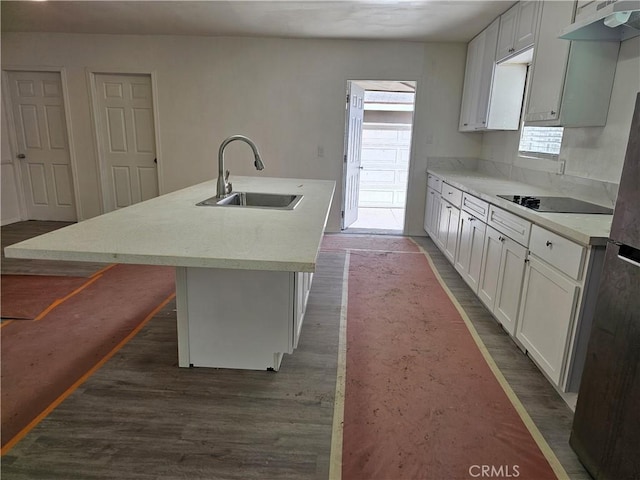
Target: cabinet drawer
{"points": [[511, 225], [451, 194], [434, 182], [559, 252], [475, 206]]}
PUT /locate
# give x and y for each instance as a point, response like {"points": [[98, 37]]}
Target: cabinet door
{"points": [[470, 246], [546, 314], [448, 229], [428, 210], [443, 224], [471, 84], [486, 67], [549, 63], [507, 33], [527, 24], [451, 241], [490, 270], [511, 274], [432, 213], [463, 255]]}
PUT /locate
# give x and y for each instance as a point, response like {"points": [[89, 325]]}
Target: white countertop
{"points": [[172, 230], [586, 229]]}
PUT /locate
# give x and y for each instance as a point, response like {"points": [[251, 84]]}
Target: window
{"points": [[541, 142]]}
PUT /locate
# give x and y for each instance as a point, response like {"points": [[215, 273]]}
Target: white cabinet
{"points": [[432, 205], [470, 246], [539, 285], [432, 213], [434, 182], [239, 318], [448, 229], [473, 205], [452, 195], [492, 95], [571, 82], [518, 27], [507, 33], [548, 307], [558, 299], [447, 238], [511, 225], [472, 80], [501, 275]]}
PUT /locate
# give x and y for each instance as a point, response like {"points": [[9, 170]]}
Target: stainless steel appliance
{"points": [[606, 425], [557, 204]]}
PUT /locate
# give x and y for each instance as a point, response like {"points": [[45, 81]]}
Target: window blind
{"points": [[541, 140]]}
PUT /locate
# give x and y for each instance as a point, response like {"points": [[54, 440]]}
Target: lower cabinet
{"points": [[501, 276], [432, 213], [539, 285], [244, 319], [470, 247], [448, 229], [546, 314]]}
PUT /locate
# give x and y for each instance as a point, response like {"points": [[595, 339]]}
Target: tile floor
{"points": [[379, 219]]}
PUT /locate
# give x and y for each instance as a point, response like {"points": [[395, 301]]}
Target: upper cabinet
{"points": [[492, 94], [472, 80], [570, 82], [518, 27]]}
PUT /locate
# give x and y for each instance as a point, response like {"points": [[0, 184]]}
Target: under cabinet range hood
{"points": [[612, 20]]}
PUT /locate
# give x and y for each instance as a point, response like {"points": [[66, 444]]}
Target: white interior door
{"points": [[127, 139], [43, 150], [353, 148]]}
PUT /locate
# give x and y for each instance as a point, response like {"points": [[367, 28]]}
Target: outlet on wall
{"points": [[561, 167]]}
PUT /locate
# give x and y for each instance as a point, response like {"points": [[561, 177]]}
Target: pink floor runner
{"points": [[420, 399], [24, 297], [41, 359]]}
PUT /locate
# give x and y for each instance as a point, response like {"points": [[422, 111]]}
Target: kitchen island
{"points": [[242, 274]]}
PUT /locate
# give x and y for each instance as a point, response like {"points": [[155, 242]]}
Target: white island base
{"points": [[244, 319]]}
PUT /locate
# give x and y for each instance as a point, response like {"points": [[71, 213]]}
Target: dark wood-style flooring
{"points": [[141, 417]]}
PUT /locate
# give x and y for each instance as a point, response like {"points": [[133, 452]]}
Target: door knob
{"points": [[21, 156]]}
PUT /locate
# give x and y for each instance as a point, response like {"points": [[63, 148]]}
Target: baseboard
{"points": [[8, 221]]}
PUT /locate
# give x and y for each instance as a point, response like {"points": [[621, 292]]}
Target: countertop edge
{"points": [[528, 214], [234, 264]]}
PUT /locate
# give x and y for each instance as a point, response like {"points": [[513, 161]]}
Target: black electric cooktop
{"points": [[556, 204]]}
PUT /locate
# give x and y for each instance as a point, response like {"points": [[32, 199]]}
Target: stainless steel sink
{"points": [[275, 201]]}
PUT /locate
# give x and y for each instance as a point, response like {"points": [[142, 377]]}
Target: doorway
{"points": [[42, 147], [125, 124], [377, 155]]}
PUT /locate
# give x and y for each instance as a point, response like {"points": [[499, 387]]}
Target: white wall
{"points": [[598, 153], [595, 153], [287, 95]]}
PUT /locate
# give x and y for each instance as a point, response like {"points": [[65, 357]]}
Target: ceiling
{"points": [[410, 20]]}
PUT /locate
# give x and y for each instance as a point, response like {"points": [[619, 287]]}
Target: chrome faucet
{"points": [[224, 186]]}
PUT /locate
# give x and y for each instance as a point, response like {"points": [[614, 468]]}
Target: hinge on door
{"points": [[342, 214], [348, 98], [345, 158]]}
